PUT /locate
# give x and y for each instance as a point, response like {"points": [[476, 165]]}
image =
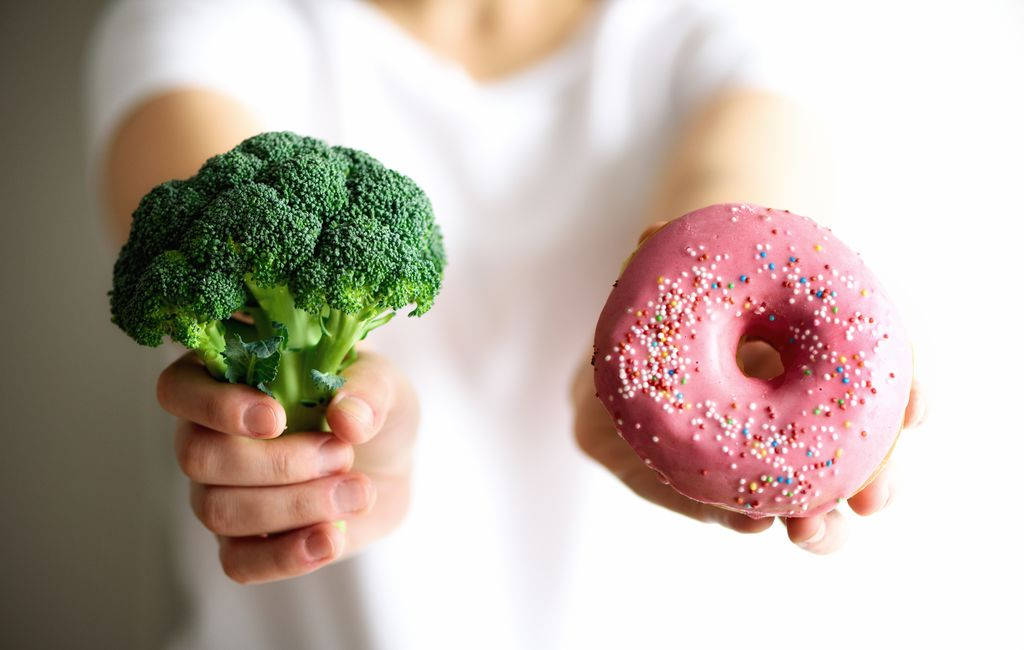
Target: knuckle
{"points": [[233, 567], [310, 504], [281, 465], [283, 557], [193, 456], [210, 407], [321, 504], [164, 387], [213, 510], [236, 575]]}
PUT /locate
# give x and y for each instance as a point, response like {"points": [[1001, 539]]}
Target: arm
{"points": [[167, 136], [271, 502], [744, 146]]}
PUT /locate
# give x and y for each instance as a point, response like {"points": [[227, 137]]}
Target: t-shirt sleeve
{"points": [[255, 51], [661, 61], [722, 50]]}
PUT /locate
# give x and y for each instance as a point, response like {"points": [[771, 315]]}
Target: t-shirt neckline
{"points": [[543, 76]]}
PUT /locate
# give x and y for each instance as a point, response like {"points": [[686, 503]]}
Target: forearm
{"points": [[168, 136], [746, 146]]}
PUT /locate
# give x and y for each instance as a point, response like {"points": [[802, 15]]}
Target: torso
{"points": [[489, 39], [539, 176]]}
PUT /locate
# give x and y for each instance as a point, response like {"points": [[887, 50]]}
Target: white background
{"points": [[924, 103]]}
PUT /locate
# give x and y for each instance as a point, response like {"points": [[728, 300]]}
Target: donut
{"points": [[666, 370]]}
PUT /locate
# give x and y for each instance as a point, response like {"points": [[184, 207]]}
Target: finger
{"points": [[187, 390], [207, 456], [821, 534], [741, 523], [650, 230], [361, 407], [238, 511], [645, 483], [875, 495], [249, 560], [917, 408], [596, 436]]}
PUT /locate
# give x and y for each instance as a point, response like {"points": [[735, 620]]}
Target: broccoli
{"points": [[315, 245]]}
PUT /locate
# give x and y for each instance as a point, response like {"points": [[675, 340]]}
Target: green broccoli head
{"points": [[324, 242]]}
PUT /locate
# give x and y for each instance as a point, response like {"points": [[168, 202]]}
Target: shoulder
{"points": [[678, 52], [227, 15], [666, 23], [242, 48], [680, 34], [241, 12], [159, 25]]}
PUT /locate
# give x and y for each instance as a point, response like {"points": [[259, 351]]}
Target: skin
{"points": [[489, 39], [596, 436], [273, 501]]}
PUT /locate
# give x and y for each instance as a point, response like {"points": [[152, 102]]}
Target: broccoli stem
{"points": [[315, 342], [304, 402], [341, 332], [304, 410], [211, 344], [276, 305]]}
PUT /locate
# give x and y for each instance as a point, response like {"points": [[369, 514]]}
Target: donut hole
{"points": [[757, 359]]}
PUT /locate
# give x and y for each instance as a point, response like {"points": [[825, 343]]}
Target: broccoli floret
{"points": [[317, 245]]}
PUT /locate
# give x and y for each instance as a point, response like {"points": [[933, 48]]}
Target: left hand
{"points": [[596, 435]]}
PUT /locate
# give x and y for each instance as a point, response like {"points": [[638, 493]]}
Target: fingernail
{"points": [[260, 420], [351, 496], [319, 546], [815, 538], [334, 456], [356, 408]]}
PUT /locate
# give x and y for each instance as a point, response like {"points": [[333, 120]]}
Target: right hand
{"points": [[272, 500]]}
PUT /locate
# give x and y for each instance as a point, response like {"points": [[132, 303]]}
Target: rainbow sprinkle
{"points": [[653, 361]]}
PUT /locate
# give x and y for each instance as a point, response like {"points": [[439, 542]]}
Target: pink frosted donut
{"points": [[666, 370]]}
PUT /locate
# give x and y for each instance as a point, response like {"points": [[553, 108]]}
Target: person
{"points": [[548, 134]]}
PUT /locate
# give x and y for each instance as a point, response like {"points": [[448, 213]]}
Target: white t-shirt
{"points": [[539, 182]]}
